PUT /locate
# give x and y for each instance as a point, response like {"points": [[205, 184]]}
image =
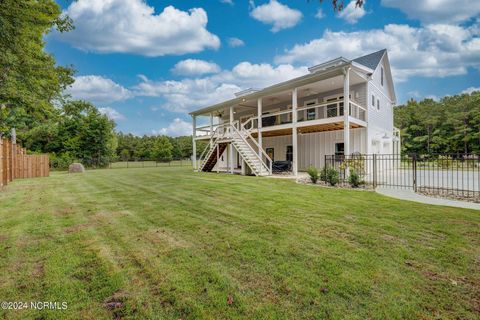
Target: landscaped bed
{"points": [[170, 243]]}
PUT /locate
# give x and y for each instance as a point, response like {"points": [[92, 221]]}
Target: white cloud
{"points": [[470, 90], [433, 50], [320, 14], [111, 113], [351, 13], [98, 89], [437, 11], [131, 26], [176, 128], [191, 67], [278, 15], [235, 42], [230, 2], [189, 94]]}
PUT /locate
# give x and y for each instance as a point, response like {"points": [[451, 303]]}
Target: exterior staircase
{"points": [[211, 158], [240, 140]]}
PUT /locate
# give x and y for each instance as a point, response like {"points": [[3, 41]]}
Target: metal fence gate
{"points": [[456, 175]]}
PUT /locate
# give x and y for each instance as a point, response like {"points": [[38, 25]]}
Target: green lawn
{"points": [[168, 243]]}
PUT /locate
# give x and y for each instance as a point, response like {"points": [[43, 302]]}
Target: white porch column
{"points": [[211, 124], [294, 132], [194, 142], [230, 146], [218, 158], [211, 128], [346, 110], [259, 126]]}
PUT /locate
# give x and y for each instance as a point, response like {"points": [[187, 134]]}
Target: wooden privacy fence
{"points": [[16, 164]]}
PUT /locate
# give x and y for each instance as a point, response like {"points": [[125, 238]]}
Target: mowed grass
{"points": [[167, 243]]}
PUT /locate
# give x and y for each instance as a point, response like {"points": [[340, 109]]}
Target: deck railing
{"points": [[307, 113]]}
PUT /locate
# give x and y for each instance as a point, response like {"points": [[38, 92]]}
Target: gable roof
{"points": [[371, 60]]}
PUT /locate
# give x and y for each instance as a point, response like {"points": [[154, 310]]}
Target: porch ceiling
{"points": [[308, 129]]}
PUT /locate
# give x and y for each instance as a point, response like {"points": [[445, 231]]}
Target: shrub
{"points": [[313, 173], [445, 162], [355, 179], [323, 174], [60, 161], [330, 175]]}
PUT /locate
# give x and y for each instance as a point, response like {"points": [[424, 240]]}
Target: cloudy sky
{"points": [[147, 63]]}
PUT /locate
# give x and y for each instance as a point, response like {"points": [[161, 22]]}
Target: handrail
{"points": [[269, 167], [319, 105], [251, 119], [276, 113], [212, 141], [357, 105]]}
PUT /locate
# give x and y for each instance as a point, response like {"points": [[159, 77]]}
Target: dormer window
{"points": [[381, 76]]}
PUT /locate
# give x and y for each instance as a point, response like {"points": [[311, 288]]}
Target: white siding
{"points": [[313, 147], [380, 122]]}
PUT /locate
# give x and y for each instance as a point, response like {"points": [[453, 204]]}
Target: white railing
{"points": [[205, 130], [357, 111], [307, 113], [250, 124], [226, 131], [330, 110], [259, 156], [220, 132]]}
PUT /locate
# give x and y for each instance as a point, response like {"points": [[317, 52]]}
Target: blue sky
{"points": [[146, 64]]}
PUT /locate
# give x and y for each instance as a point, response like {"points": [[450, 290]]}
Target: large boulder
{"points": [[76, 168]]}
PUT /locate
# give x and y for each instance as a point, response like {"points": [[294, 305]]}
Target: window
{"points": [[339, 149], [289, 153], [373, 100], [378, 104], [311, 112], [381, 76]]}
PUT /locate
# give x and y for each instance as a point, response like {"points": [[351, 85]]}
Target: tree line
{"points": [[159, 147], [33, 98], [450, 125]]}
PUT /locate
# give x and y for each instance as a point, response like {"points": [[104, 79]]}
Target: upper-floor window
{"points": [[381, 76], [378, 104], [373, 100]]}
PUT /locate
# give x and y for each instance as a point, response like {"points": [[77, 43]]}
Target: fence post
{"points": [[414, 169], [374, 171]]}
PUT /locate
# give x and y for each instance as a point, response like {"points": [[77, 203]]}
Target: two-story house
{"points": [[301, 120]]}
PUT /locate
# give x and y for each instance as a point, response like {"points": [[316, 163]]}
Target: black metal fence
{"points": [[449, 175], [147, 163]]}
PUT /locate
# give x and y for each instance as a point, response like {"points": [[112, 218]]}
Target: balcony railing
{"points": [[307, 113], [330, 110]]}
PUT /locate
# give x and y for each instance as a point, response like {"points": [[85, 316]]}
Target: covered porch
{"points": [[292, 121]]}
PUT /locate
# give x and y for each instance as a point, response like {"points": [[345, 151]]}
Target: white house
{"points": [[303, 119]]}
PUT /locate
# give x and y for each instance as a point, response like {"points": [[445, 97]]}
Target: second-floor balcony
{"points": [[327, 112]]}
